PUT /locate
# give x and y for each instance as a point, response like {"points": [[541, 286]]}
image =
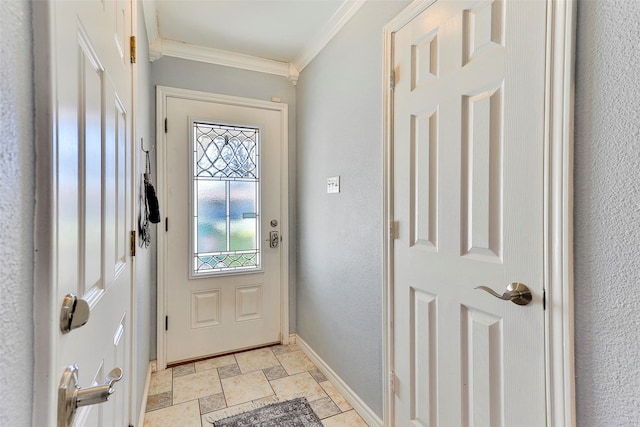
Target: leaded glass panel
{"points": [[226, 226]]}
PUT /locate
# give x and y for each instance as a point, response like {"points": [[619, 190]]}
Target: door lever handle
{"points": [[71, 396], [274, 239], [100, 393], [517, 293]]}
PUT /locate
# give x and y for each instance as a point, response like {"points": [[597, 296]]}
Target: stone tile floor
{"points": [[199, 393]]}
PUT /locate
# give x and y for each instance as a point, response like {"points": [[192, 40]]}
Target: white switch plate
{"points": [[333, 184]]}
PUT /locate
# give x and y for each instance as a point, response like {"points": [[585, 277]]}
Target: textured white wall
{"points": [[16, 213], [607, 213]]}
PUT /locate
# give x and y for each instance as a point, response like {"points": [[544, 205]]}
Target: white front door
{"points": [[223, 227], [468, 150], [91, 210]]}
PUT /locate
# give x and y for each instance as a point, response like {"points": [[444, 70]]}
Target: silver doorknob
{"points": [[517, 293]]}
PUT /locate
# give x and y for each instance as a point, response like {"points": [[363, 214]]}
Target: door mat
{"points": [[291, 413]]}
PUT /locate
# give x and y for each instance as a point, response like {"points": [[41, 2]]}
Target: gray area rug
{"points": [[292, 413]]}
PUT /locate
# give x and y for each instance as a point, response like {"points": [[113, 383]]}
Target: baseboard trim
{"points": [[145, 394], [360, 407]]}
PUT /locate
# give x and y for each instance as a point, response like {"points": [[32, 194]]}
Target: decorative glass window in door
{"points": [[226, 189]]}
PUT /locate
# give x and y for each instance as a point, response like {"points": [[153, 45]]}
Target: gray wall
{"points": [[16, 213], [607, 213], [218, 79], [145, 257], [340, 242]]}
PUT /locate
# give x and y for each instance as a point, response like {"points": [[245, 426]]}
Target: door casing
{"points": [[164, 92], [558, 207]]}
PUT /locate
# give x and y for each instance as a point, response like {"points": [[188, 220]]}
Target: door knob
{"points": [[71, 396], [517, 293]]}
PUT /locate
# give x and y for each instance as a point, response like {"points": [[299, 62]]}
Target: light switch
{"points": [[333, 184]]}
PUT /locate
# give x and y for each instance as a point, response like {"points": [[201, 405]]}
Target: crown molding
{"points": [[150, 13], [344, 13], [163, 47], [159, 47]]}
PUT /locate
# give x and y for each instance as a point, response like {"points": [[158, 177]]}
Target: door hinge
{"points": [[166, 224], [165, 125], [132, 243], [132, 49], [392, 79], [393, 229], [544, 299], [392, 381], [166, 323]]}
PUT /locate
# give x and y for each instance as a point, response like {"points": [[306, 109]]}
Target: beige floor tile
{"points": [[299, 385], [247, 387], [256, 360], [194, 386], [160, 382], [345, 419], [295, 362], [216, 362], [183, 415], [335, 395]]}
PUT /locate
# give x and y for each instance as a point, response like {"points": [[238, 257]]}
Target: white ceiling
{"points": [[273, 34]]}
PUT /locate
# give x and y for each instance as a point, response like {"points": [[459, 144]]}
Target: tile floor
{"points": [[197, 394]]}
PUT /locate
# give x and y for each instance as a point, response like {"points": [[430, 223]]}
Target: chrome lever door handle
{"points": [[71, 396], [517, 293], [274, 239], [100, 393]]}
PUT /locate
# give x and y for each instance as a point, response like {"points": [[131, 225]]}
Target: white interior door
{"points": [[468, 142], [91, 211], [223, 229]]}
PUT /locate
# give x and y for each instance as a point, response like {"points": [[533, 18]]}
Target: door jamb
{"points": [[164, 92], [558, 210]]}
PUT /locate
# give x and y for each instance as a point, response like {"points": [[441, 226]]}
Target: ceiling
{"points": [[273, 36]]}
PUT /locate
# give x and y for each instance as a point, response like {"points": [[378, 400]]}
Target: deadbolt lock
{"points": [[75, 313]]}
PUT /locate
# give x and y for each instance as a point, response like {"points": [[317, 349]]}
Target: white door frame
{"points": [[164, 92], [558, 206]]}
